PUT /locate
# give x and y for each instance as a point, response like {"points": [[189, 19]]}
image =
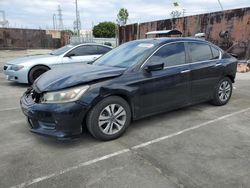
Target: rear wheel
{"points": [[35, 72], [222, 92], [109, 118]]}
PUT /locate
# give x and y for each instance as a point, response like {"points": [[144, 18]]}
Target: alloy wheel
{"points": [[112, 119], [224, 91]]}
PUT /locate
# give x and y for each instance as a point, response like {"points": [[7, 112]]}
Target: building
{"points": [[228, 29]]}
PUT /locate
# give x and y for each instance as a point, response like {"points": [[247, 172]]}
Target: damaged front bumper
{"points": [[63, 121]]}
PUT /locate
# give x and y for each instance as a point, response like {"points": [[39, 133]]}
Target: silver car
{"points": [[27, 69]]}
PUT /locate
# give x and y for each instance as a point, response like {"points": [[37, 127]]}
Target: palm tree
{"points": [[122, 16]]}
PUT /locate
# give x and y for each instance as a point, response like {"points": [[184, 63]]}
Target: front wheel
{"points": [[35, 72], [222, 92], [109, 119]]}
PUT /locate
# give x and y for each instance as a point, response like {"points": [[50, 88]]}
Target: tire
{"points": [[109, 119], [35, 72], [222, 92]]}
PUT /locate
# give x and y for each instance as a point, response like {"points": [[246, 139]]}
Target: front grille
{"points": [[47, 125], [5, 68]]}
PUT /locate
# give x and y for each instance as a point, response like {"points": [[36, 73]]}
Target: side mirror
{"points": [[69, 55], [234, 55], [156, 67]]}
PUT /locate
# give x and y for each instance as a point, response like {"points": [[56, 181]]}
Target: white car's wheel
{"points": [[35, 72]]}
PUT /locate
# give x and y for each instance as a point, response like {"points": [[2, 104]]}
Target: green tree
{"points": [[122, 16], [104, 30], [175, 14]]}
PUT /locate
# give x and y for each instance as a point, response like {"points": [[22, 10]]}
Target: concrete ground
{"points": [[198, 146]]}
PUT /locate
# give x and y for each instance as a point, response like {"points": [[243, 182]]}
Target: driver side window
{"points": [[171, 55]]}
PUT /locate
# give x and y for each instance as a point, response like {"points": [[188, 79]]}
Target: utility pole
{"points": [[183, 12], [77, 23], [60, 26], [54, 22], [77, 28]]}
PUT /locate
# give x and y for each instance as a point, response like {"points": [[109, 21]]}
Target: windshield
{"points": [[61, 50], [126, 55]]}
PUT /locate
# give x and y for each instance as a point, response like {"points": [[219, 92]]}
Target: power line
{"points": [[220, 5]]}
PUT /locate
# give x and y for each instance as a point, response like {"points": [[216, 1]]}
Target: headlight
{"points": [[16, 67], [63, 96]]}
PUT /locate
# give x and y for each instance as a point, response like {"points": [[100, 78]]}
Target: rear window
{"points": [[200, 52], [103, 49]]}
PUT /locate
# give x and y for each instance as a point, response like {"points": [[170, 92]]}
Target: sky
{"points": [[39, 13]]}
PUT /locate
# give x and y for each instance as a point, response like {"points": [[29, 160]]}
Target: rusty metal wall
{"points": [[128, 33], [65, 38], [29, 38], [236, 22]]}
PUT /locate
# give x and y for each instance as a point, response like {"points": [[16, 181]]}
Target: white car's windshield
{"points": [[61, 50], [126, 55]]}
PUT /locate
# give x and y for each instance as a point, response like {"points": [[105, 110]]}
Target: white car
{"points": [[27, 69]]}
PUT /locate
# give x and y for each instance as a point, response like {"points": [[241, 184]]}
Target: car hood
{"points": [[68, 76], [33, 58]]}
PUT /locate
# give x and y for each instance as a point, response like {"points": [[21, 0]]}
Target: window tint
{"points": [[200, 52], [215, 52], [103, 50], [84, 50], [170, 55]]}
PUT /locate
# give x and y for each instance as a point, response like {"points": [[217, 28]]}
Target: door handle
{"points": [[185, 71], [217, 64]]}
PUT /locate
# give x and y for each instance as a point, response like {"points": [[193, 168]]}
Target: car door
{"points": [[82, 54], [206, 69], [168, 88]]}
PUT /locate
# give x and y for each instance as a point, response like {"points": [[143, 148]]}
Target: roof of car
{"points": [[168, 32], [170, 39], [98, 44]]}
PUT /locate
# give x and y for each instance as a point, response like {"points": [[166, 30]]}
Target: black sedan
{"points": [[135, 80]]}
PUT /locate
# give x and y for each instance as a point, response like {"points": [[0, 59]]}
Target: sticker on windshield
{"points": [[146, 45]]}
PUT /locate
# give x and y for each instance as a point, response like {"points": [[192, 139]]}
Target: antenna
{"points": [[60, 19]]}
